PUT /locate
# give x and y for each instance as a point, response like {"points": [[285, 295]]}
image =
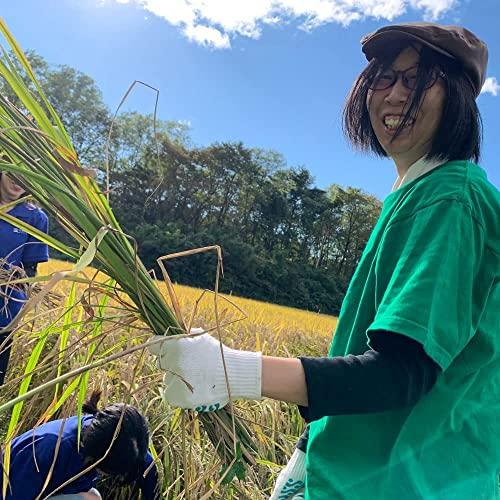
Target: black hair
{"points": [[127, 453], [459, 133]]}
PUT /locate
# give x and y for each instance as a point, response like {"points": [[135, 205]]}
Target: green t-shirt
{"points": [[430, 271]]}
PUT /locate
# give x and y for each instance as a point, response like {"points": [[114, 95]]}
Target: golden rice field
{"points": [[188, 465]]}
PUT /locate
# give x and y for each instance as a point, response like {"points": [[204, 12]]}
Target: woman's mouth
{"points": [[17, 190], [392, 122]]}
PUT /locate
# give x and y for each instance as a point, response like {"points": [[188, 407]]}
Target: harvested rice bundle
{"points": [[38, 152]]}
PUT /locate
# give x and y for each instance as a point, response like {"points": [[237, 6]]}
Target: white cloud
{"points": [[213, 22], [176, 12], [433, 9], [491, 85], [205, 35]]}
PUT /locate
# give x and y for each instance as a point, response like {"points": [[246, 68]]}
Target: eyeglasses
{"points": [[388, 77]]}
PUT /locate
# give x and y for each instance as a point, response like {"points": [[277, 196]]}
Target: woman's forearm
{"points": [[283, 379], [395, 375]]}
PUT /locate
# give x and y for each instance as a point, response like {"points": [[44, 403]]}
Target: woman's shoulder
{"points": [[464, 175], [478, 182], [484, 201], [33, 207], [40, 214], [32, 212], [29, 208], [467, 183], [454, 182], [459, 180]]}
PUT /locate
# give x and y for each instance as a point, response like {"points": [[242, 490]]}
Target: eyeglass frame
{"points": [[396, 74]]}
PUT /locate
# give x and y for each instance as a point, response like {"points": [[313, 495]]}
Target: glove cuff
{"points": [[296, 466], [244, 370]]}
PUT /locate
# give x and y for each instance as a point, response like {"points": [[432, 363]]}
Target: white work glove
{"points": [[198, 360], [291, 480]]}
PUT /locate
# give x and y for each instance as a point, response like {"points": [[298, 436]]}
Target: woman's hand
{"points": [[194, 372]]}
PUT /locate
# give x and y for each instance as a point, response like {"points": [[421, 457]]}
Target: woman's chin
{"points": [[398, 146]]}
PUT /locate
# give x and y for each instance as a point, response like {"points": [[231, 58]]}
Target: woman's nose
{"points": [[398, 93]]}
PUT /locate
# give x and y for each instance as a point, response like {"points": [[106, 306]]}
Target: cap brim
{"points": [[377, 43]]}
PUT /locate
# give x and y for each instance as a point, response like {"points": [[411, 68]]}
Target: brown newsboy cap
{"points": [[452, 41]]}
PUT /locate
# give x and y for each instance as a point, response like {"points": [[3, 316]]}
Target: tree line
{"points": [[284, 240]]}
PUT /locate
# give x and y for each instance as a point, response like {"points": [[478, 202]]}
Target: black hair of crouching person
{"points": [[124, 463]]}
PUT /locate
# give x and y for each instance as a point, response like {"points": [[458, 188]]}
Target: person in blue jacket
{"points": [[52, 451], [20, 251]]}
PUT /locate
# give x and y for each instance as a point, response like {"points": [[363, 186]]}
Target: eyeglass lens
{"points": [[388, 77]]}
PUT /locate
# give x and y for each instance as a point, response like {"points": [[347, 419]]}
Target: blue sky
{"points": [[271, 73]]}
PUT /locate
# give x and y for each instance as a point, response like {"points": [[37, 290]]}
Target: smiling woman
{"points": [[9, 190], [412, 377], [405, 137], [413, 101]]}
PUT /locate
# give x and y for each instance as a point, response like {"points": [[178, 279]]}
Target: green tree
{"points": [[78, 101], [359, 213], [284, 240]]}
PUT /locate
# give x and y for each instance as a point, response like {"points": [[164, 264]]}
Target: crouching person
{"points": [[48, 462]]}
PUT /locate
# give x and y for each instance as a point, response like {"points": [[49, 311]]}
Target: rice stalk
{"points": [[39, 154]]}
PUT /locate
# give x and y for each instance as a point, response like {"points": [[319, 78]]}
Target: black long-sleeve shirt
{"points": [[394, 374]]}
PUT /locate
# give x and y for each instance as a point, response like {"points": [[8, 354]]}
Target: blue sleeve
{"points": [[149, 486], [23, 466], [27, 478], [35, 250]]}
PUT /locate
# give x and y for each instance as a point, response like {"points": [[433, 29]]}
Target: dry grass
{"points": [[187, 460]]}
